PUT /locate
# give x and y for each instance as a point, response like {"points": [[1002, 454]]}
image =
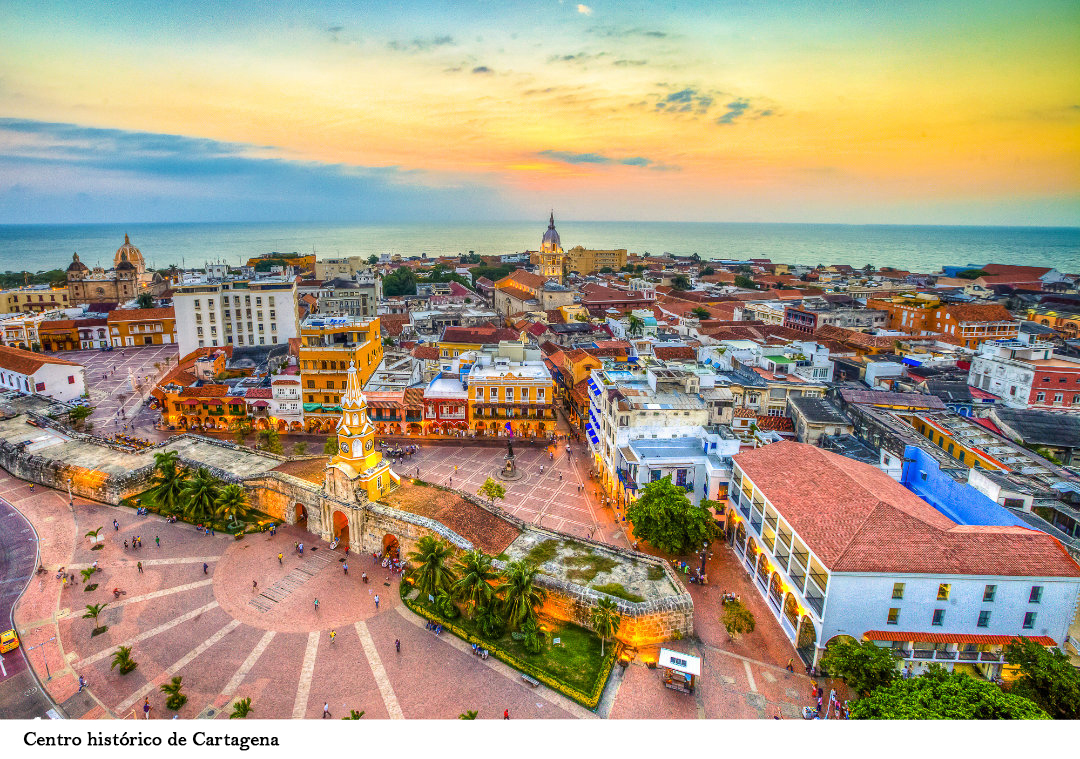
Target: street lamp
{"points": [[71, 501], [705, 555], [43, 657]]}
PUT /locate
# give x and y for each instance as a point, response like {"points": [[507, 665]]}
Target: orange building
{"points": [[327, 346], [965, 324], [142, 326]]}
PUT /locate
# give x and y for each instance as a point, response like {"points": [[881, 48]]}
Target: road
{"points": [[20, 695]]}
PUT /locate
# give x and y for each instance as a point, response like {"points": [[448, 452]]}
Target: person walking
{"points": [[205, 567], [326, 709], [125, 545], [316, 604], [139, 565], [345, 567], [506, 714], [157, 540], [116, 525], [790, 665], [397, 645], [279, 558], [146, 707], [376, 601], [333, 635], [254, 585]]}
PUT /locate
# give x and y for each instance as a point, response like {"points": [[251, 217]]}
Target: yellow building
{"points": [[591, 261], [941, 432], [1065, 322], [512, 388], [33, 299], [358, 465], [327, 346], [142, 326]]}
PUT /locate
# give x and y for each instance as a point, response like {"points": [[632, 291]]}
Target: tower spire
{"points": [[551, 220]]}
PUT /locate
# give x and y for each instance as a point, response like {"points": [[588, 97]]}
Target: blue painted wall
{"points": [[958, 501]]}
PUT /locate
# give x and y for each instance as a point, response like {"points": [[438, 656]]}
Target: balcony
{"points": [[948, 655], [986, 656], [968, 655], [902, 653], [922, 653]]}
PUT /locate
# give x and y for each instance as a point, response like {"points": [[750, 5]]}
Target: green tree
{"points": [[93, 534], [863, 665], [532, 637], [695, 257], [87, 574], [400, 281], [270, 440], [707, 270], [470, 714], [200, 494], [489, 621], [665, 517], [636, 325], [939, 694], [1047, 677], [605, 620], [241, 428], [475, 577], [145, 300], [520, 595], [169, 479], [606, 270], [122, 659], [176, 699], [680, 282], [492, 490], [372, 259], [78, 414], [737, 619], [353, 714], [741, 280], [231, 500], [433, 572], [300, 448], [700, 312], [241, 709], [330, 446], [971, 274], [445, 606], [92, 612]]}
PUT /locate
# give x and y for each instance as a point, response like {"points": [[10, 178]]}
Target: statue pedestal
{"points": [[509, 471]]}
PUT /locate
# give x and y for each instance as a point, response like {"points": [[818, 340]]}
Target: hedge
{"points": [[588, 700]]}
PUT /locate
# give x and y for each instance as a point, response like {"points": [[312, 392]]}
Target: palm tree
{"points": [[432, 573], [87, 574], [468, 714], [353, 714], [476, 575], [521, 596], [200, 492], [637, 325], [92, 611], [241, 709], [231, 500], [93, 534], [170, 480], [176, 699], [489, 621], [605, 620], [122, 659]]}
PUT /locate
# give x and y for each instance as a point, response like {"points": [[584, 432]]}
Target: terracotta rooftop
{"points": [[311, 470], [426, 352], [519, 278], [141, 314], [855, 518], [27, 362], [205, 391], [674, 352], [484, 529]]}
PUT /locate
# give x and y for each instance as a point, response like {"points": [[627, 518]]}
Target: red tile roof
{"points": [[393, 324], [27, 362], [141, 314], [414, 396], [673, 352], [856, 518], [205, 391], [775, 423], [1029, 272], [426, 352], [519, 278], [975, 312], [925, 637], [259, 392], [487, 334]]}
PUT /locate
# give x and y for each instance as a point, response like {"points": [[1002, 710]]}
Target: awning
{"points": [[260, 404], [190, 402], [312, 406], [680, 662], [925, 637]]}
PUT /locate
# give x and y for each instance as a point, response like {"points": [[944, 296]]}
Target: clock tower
{"points": [[357, 458]]}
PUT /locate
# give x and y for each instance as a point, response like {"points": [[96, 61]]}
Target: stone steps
{"points": [[313, 563]]}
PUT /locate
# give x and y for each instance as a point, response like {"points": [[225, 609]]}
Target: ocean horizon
{"points": [[39, 247]]}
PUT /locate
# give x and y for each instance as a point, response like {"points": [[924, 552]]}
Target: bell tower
{"points": [[357, 456]]}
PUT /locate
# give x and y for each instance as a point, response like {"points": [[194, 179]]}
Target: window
{"points": [[988, 593], [71, 379], [1058, 397], [894, 617], [1040, 397], [939, 618], [898, 590], [311, 383], [984, 619], [196, 303], [1029, 620], [943, 591], [479, 393], [1036, 594]]}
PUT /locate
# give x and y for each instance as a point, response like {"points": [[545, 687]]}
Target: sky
{"points": [[905, 112]]}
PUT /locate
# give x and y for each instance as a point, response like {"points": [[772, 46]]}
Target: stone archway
{"points": [[763, 570], [390, 546], [806, 644], [791, 611], [340, 527], [776, 590], [300, 513], [839, 639], [740, 538]]}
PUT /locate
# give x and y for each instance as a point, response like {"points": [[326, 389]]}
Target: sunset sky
{"points": [[855, 112]]}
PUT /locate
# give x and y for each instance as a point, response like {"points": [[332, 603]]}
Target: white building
{"points": [[701, 465], [34, 373], [244, 312], [839, 550], [286, 403], [1026, 375]]}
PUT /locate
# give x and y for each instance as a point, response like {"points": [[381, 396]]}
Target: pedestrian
{"points": [[125, 545], [325, 709], [374, 557], [363, 576], [345, 567], [82, 683], [790, 665], [333, 635], [376, 601], [397, 645], [146, 708], [316, 604], [541, 469], [205, 567], [301, 549], [31, 487], [254, 585], [451, 481], [506, 714], [116, 525], [158, 541], [139, 565], [279, 557]]}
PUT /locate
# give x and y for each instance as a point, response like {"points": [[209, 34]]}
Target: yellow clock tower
{"points": [[357, 458]]}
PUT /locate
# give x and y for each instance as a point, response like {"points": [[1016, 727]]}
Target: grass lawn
{"points": [[576, 662]]}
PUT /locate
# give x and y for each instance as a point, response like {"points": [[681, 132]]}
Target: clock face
{"points": [[344, 447]]}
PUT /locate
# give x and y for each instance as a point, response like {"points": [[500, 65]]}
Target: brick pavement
{"points": [[204, 629]]}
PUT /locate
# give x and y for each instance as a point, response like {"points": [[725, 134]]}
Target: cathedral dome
{"points": [[128, 253], [77, 265], [551, 239]]}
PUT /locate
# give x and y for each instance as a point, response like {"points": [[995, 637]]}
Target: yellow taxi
{"points": [[9, 641]]}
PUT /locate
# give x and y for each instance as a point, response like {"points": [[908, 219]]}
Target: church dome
{"points": [[77, 265], [124, 264], [551, 239], [130, 254]]}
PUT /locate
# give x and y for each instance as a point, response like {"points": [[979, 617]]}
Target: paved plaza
{"points": [[220, 634]]}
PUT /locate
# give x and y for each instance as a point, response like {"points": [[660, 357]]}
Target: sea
{"points": [[915, 248]]}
